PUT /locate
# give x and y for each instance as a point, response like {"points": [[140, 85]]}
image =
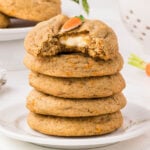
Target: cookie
{"points": [[84, 126], [73, 65], [33, 10], [93, 37], [40, 103], [92, 87], [4, 21]]}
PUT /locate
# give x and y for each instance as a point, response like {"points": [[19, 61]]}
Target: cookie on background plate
{"points": [[40, 103], [73, 65], [33, 10], [84, 126], [92, 37], [4, 21], [91, 87]]}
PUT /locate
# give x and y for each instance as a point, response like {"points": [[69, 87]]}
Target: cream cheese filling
{"points": [[74, 41]]}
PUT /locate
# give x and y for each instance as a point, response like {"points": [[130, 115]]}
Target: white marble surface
{"points": [[137, 90]]}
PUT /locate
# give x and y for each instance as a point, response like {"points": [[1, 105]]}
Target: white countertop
{"points": [[137, 89]]}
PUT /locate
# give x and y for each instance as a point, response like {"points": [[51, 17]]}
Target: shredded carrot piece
{"points": [[138, 62], [147, 69]]}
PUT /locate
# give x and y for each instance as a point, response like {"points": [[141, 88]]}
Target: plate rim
{"points": [[72, 142], [15, 30]]}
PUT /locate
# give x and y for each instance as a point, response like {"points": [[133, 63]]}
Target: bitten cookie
{"points": [[33, 10], [4, 21], [92, 87], [40, 103], [84, 126], [93, 37], [73, 65]]}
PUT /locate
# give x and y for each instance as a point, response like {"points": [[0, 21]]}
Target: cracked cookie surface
{"points": [[93, 38]]}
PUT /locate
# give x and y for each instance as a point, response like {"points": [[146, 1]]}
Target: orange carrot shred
{"points": [[147, 69], [71, 24]]}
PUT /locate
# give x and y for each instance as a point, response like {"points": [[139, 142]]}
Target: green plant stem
{"points": [[136, 61], [76, 1], [81, 17], [85, 5]]}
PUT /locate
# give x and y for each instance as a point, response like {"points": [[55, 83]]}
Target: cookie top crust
{"points": [[92, 37]]}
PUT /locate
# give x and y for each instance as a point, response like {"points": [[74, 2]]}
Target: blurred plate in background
{"points": [[17, 30]]}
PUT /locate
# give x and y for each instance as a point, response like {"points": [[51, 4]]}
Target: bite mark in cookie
{"points": [[74, 41], [92, 37]]}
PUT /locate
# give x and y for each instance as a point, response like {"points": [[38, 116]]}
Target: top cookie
{"points": [[34, 10], [92, 37]]}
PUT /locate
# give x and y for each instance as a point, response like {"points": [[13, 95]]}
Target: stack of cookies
{"points": [[75, 76]]}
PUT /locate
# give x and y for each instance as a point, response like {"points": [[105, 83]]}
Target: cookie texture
{"points": [[85, 126], [73, 65], [33, 10], [93, 37], [4, 21], [40, 103], [92, 87]]}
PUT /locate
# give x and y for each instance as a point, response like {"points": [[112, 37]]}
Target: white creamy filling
{"points": [[77, 41]]}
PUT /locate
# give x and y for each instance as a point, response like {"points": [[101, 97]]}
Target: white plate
{"points": [[136, 122], [14, 33], [17, 30]]}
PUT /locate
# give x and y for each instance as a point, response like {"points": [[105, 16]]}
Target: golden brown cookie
{"points": [[92, 87], [84, 126], [93, 37], [73, 65], [4, 21], [34, 10], [40, 103]]}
